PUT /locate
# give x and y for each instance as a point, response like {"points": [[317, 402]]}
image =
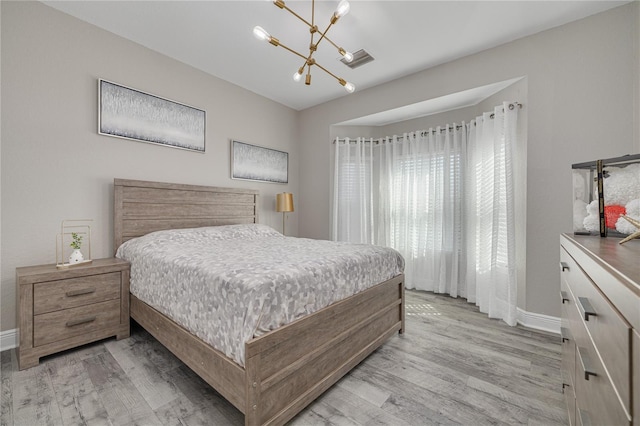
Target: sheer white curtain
{"points": [[490, 248], [444, 199], [353, 191], [403, 192], [420, 210]]}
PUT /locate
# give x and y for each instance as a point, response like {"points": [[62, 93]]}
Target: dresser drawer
{"points": [[70, 293], [609, 331], [582, 417], [569, 320], [60, 325], [568, 356], [636, 377], [596, 398], [569, 397]]}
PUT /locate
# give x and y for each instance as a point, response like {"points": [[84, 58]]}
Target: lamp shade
{"points": [[284, 202]]}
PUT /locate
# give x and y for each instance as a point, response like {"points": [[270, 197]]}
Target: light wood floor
{"points": [[453, 366]]}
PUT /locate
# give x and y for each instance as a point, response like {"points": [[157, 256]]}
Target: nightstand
{"points": [[59, 309]]}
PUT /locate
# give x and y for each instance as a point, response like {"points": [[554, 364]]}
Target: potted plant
{"points": [[76, 255]]}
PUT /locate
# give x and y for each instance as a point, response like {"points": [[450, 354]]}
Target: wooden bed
{"points": [[285, 369]]}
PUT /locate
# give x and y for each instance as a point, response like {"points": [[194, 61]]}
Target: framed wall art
{"points": [[129, 113], [252, 162]]}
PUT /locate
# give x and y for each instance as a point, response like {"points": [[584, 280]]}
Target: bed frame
{"points": [[285, 369]]}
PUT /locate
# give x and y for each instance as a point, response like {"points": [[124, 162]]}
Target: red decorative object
{"points": [[612, 213]]}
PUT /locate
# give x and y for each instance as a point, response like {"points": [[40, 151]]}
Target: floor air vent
{"points": [[360, 58]]}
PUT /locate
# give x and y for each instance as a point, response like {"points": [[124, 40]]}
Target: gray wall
{"points": [[582, 105], [54, 164]]}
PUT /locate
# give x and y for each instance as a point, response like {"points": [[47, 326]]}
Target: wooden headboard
{"points": [[141, 207]]}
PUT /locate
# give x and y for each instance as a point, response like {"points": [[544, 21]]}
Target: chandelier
{"points": [[309, 61]]}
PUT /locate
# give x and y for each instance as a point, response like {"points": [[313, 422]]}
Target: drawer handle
{"points": [[586, 309], [585, 361], [565, 385], [563, 296], [564, 334], [564, 266], [585, 420], [80, 292], [80, 321]]}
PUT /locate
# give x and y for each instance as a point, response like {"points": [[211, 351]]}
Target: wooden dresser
{"points": [[600, 293], [60, 309]]}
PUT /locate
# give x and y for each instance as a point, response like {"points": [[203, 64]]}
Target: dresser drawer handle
{"points": [[564, 266], [80, 292], [80, 321], [586, 309], [585, 420], [564, 297], [564, 334], [585, 362]]}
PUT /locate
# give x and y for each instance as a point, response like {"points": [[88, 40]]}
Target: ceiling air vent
{"points": [[360, 57]]}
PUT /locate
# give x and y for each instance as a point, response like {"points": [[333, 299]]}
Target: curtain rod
{"points": [[376, 141]]}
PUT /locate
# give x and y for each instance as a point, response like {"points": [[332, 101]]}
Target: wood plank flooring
{"points": [[453, 366]]}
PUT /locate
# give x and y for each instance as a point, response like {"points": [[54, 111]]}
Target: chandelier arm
{"points": [[329, 40], [313, 33], [327, 71], [297, 16], [323, 34], [292, 51]]}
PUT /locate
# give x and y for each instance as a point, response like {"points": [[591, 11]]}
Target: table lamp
{"points": [[284, 204]]}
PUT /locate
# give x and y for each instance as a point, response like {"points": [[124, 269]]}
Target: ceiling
{"points": [[445, 103], [403, 36]]}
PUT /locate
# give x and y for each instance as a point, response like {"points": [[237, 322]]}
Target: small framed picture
{"points": [[252, 162]]}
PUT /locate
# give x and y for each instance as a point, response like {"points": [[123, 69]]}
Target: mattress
{"points": [[229, 284]]}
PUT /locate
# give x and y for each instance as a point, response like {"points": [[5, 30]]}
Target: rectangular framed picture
{"points": [[252, 162], [131, 114]]}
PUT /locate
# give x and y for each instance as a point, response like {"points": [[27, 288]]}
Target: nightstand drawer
{"points": [[71, 293], [60, 325]]}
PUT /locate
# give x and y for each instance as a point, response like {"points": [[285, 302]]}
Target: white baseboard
{"points": [[539, 321], [8, 339]]}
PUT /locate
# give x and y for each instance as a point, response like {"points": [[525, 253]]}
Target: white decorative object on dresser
{"points": [[60, 309], [600, 292]]}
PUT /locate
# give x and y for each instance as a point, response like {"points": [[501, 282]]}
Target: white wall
{"points": [[581, 93], [54, 164]]}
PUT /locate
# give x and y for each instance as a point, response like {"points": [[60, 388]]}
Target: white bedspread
{"points": [[228, 284]]}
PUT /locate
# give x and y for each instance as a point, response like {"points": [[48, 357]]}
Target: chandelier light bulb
{"points": [[297, 76], [260, 33], [342, 9], [349, 87], [348, 56]]}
